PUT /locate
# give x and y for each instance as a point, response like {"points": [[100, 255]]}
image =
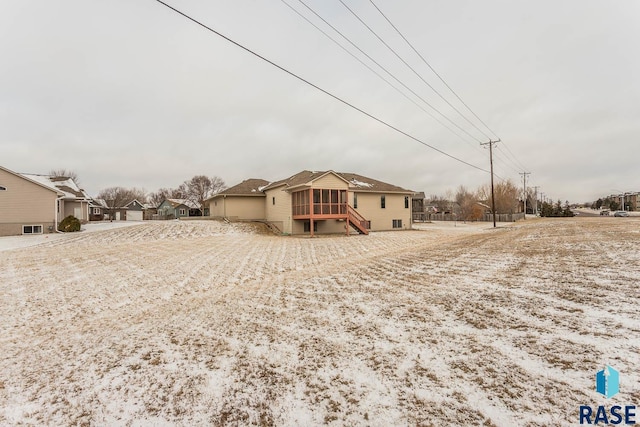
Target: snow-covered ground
{"points": [[15, 242], [206, 323]]}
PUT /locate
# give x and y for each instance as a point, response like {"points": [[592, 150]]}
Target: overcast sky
{"points": [[129, 93]]}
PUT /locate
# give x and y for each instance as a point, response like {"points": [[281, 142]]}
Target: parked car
{"points": [[605, 212], [621, 213]]}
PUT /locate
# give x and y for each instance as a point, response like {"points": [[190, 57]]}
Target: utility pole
{"points": [[535, 209], [524, 177], [493, 199]]}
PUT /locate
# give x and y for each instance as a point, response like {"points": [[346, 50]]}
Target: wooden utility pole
{"points": [[535, 209], [493, 199], [524, 176]]}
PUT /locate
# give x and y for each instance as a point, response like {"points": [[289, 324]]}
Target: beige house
{"points": [[74, 200], [244, 201], [319, 202], [27, 206], [35, 204]]}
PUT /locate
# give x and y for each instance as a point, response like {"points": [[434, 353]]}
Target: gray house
{"points": [[134, 211], [177, 208]]}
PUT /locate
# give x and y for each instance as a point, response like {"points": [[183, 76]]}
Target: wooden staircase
{"points": [[356, 220]]}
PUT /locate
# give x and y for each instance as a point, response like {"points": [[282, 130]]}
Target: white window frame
{"points": [[396, 223], [182, 212], [33, 226]]}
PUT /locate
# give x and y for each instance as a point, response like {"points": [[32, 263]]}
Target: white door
{"points": [[118, 216], [77, 212], [134, 215]]}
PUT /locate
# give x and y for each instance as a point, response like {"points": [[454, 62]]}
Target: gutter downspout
{"points": [[55, 225]]}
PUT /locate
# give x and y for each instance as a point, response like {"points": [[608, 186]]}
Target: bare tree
{"points": [[201, 187], [466, 201], [506, 194], [166, 193], [441, 203], [118, 197], [60, 173], [139, 194]]}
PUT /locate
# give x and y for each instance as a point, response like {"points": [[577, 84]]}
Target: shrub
{"points": [[69, 224]]}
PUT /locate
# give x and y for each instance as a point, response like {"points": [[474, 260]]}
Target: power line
{"points": [[442, 79], [377, 74], [281, 68], [431, 68], [507, 161], [411, 68], [515, 159], [388, 72]]}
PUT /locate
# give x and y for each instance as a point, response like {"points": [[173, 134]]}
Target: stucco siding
{"points": [[278, 208], [24, 203], [382, 219]]}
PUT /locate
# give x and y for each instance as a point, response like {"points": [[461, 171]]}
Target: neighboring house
{"points": [[244, 201], [177, 208], [148, 211], [27, 206], [417, 207], [322, 202], [74, 200], [134, 211], [98, 210]]}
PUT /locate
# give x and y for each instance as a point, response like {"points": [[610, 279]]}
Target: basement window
{"points": [[31, 229]]}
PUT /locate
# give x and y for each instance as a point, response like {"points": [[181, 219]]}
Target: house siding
{"points": [[280, 212], [382, 219], [216, 207], [238, 207], [24, 203], [331, 182], [73, 208]]}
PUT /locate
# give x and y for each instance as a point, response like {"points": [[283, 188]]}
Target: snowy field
{"points": [[206, 323]]}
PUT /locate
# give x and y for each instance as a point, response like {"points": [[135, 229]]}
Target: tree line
{"points": [[471, 205], [195, 190]]}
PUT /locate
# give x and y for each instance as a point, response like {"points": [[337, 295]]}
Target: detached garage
{"points": [[133, 211]]}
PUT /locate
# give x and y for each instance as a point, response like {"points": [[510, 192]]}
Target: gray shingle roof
{"points": [[248, 187], [356, 181]]}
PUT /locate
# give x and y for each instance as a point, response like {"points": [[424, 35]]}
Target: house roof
{"points": [[98, 203], [248, 187], [135, 200], [355, 181], [64, 185], [177, 202], [34, 181]]}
